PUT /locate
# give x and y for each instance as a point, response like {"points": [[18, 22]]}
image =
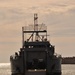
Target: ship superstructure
{"points": [[37, 55]]}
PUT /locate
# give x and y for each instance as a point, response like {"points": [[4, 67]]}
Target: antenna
{"points": [[35, 22], [35, 30], [36, 26]]}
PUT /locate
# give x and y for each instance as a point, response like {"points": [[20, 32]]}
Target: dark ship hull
{"points": [[37, 56]]}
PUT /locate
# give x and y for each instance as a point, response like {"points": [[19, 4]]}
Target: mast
{"points": [[34, 32], [36, 25]]}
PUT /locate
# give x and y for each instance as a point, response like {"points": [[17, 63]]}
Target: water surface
{"points": [[66, 69]]}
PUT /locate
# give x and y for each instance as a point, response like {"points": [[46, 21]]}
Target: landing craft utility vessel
{"points": [[37, 55]]}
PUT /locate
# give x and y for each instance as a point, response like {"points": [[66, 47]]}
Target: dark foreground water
{"points": [[66, 69]]}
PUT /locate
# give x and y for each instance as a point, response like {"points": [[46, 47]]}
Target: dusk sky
{"points": [[58, 15]]}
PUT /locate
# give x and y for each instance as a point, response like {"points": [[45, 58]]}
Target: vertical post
{"points": [[36, 26], [46, 34], [23, 51], [35, 22], [22, 36]]}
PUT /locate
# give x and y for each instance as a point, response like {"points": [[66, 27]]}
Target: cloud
{"points": [[14, 12], [45, 6]]}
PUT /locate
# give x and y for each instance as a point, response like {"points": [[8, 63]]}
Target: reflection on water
{"points": [[66, 69], [5, 69]]}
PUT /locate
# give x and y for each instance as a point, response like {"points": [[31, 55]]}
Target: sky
{"points": [[58, 15]]}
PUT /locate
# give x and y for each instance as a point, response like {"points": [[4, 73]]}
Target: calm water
{"points": [[66, 69]]}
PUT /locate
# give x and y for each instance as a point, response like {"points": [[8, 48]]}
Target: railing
{"points": [[57, 55]]}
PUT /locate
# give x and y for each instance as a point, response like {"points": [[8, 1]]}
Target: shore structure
{"points": [[68, 60], [37, 55]]}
